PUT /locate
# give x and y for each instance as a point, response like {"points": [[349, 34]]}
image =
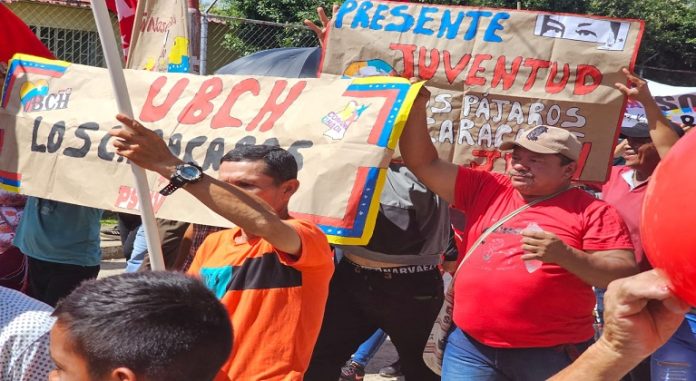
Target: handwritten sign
{"points": [[160, 39], [55, 117], [494, 72]]}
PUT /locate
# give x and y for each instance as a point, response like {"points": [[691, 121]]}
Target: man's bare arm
{"points": [[596, 268], [184, 248], [144, 148], [599, 268], [641, 314], [420, 155], [660, 133]]}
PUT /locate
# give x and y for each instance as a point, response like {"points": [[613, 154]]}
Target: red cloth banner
{"points": [[125, 9], [16, 37]]}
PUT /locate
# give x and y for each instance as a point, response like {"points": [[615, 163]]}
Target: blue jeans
{"points": [[599, 294], [676, 360], [369, 348], [139, 251], [466, 359]]}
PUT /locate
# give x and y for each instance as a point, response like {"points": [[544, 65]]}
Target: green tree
{"points": [[280, 11], [247, 37], [668, 50]]}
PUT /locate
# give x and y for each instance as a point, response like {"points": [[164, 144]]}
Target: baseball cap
{"points": [[547, 140], [641, 130]]}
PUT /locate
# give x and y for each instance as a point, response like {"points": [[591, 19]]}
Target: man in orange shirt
{"points": [[271, 272]]}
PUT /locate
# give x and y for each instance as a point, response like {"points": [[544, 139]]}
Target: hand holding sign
{"points": [[143, 147]]}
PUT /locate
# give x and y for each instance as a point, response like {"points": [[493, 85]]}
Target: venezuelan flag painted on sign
{"points": [[29, 90], [10, 181], [21, 64], [356, 227]]}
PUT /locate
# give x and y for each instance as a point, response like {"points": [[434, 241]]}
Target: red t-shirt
{"points": [[497, 301], [629, 203]]}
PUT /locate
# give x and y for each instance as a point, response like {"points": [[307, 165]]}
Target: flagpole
{"points": [[118, 84]]}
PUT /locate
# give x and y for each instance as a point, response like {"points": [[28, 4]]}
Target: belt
{"points": [[410, 269]]}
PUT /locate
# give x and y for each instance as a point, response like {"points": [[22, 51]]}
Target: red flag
{"points": [[16, 37], [125, 9]]}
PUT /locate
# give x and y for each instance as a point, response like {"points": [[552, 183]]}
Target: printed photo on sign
{"points": [[607, 34]]}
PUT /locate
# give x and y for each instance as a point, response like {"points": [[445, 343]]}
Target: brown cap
{"points": [[547, 140]]}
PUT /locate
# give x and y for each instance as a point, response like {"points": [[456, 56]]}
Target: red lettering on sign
{"points": [[151, 112], [508, 161], [273, 107], [504, 73], [200, 106], [453, 72], [476, 68], [554, 87], [128, 199], [535, 65], [123, 197], [491, 157], [408, 51], [425, 72], [500, 72], [223, 118], [584, 73]]}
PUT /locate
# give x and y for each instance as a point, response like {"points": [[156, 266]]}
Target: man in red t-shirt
{"points": [[647, 143], [523, 299], [627, 184]]}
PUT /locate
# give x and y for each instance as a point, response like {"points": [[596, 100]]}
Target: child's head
{"points": [[149, 326]]}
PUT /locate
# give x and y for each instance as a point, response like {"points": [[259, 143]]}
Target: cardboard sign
{"points": [[677, 103], [160, 40], [679, 108], [494, 72], [55, 117]]}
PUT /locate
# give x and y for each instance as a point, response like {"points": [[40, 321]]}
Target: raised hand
{"points": [[637, 88], [325, 21]]}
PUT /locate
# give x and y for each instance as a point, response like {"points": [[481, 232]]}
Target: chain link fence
{"points": [[67, 28], [230, 38]]}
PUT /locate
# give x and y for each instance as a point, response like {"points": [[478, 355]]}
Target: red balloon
{"points": [[668, 223]]}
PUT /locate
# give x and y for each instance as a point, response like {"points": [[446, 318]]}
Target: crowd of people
{"points": [[532, 255]]}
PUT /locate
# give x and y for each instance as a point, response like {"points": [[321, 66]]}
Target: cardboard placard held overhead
{"points": [[494, 72]]}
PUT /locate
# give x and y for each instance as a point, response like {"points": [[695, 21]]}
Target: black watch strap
{"points": [[177, 181], [169, 189]]}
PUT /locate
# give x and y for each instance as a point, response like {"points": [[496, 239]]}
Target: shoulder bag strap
{"points": [[502, 221]]}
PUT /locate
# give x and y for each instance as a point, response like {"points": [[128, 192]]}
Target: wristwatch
{"points": [[184, 174]]}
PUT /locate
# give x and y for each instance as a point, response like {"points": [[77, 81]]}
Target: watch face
{"points": [[189, 172]]}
